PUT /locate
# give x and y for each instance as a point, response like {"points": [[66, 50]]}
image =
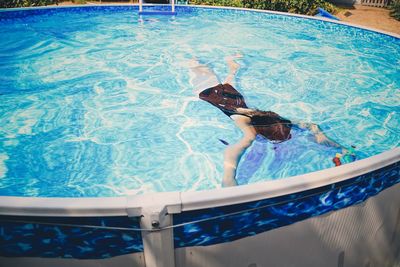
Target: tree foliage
{"points": [[26, 3], [395, 9], [307, 7]]}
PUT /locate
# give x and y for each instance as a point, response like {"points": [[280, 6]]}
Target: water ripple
{"points": [[103, 105]]}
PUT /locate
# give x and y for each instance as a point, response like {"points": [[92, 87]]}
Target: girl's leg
{"points": [[201, 77], [233, 68]]}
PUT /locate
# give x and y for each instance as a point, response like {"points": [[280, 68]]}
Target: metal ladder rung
{"points": [[157, 12]]}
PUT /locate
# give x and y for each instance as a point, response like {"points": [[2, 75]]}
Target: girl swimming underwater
{"points": [[252, 122]]}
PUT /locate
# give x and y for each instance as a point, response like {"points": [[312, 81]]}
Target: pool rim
{"points": [[177, 202]]}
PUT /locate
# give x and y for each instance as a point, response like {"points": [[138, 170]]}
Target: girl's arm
{"points": [[319, 135], [233, 152]]}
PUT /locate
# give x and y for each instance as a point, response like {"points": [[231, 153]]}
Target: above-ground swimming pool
{"points": [[98, 102]]}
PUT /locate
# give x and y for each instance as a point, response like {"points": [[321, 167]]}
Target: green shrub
{"points": [[26, 3], [234, 3], [307, 7], [395, 9]]}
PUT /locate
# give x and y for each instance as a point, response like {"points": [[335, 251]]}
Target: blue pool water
{"points": [[96, 101]]}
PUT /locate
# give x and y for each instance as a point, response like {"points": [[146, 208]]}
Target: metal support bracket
{"points": [[156, 212]]}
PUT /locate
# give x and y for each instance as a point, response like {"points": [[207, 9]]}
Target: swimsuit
{"points": [[228, 100], [224, 97]]}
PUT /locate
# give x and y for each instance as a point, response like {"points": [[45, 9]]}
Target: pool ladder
{"points": [[157, 12]]}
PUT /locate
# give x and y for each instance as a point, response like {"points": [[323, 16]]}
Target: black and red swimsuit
{"points": [[228, 100]]}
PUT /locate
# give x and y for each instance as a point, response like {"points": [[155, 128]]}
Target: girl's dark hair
{"points": [[271, 125]]}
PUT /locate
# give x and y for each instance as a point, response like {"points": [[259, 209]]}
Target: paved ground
{"points": [[372, 17]]}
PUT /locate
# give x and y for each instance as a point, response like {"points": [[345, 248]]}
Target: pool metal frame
{"points": [[156, 210]]}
